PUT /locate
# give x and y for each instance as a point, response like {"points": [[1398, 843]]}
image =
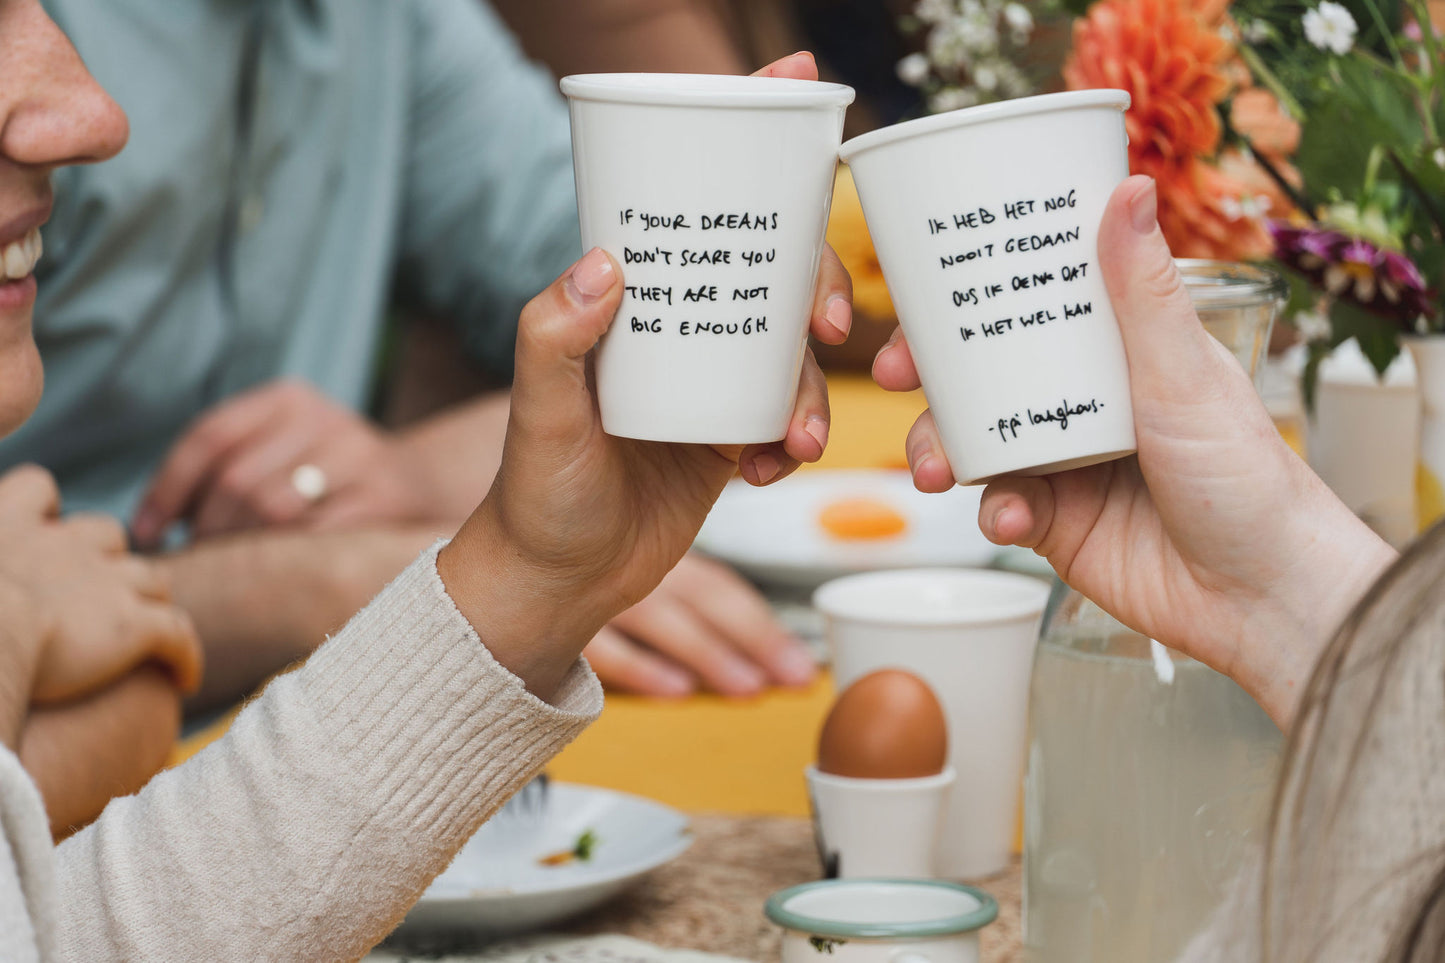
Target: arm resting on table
{"points": [[85, 753], [263, 600], [310, 829]]}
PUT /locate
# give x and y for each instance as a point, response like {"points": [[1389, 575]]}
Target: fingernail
{"points": [[672, 683], [994, 520], [739, 678], [817, 428], [1144, 208], [592, 276], [839, 313], [916, 455], [795, 665], [766, 467]]}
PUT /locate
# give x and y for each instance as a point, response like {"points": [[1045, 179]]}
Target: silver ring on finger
{"points": [[310, 482]]}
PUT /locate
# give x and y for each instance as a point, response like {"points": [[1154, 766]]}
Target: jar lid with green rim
{"points": [[843, 909]]}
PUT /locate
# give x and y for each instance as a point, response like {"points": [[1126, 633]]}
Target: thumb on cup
{"points": [[1171, 356], [557, 330]]}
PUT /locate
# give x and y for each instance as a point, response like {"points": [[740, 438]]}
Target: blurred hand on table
{"points": [[112, 652], [704, 627], [239, 466]]}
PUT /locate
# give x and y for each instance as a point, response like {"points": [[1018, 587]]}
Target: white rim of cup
{"points": [[946, 778], [840, 598], [705, 90], [982, 114]]}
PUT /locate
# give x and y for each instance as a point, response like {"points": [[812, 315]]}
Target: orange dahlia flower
{"points": [[1202, 212], [1173, 59], [1257, 115]]}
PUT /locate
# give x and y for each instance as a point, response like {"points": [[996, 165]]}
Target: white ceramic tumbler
{"points": [[712, 193], [881, 921], [878, 827], [986, 224], [970, 634]]}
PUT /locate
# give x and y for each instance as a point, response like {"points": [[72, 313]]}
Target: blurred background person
{"points": [[213, 313]]}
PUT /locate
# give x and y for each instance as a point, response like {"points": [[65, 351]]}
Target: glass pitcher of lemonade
{"points": [[1148, 773]]}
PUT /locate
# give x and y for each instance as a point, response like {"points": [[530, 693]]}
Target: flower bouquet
{"points": [[1309, 132]]}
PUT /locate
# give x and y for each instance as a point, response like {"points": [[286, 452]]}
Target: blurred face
{"points": [[52, 113]]}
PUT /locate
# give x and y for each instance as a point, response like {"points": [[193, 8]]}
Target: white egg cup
{"points": [[970, 634], [878, 827], [986, 225], [881, 921], [712, 193]]}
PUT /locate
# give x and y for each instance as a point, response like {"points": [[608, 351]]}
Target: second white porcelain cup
{"points": [[712, 193], [986, 224], [970, 634]]}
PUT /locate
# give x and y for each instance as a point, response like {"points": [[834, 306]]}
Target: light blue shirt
{"points": [[399, 151]]}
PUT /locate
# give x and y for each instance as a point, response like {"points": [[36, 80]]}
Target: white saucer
{"points": [[497, 887], [773, 534]]}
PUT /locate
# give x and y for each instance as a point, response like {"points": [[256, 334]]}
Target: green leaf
{"points": [[1378, 338], [1315, 353], [585, 844], [1370, 104]]}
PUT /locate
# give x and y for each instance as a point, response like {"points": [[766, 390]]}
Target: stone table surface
{"points": [[712, 897]]}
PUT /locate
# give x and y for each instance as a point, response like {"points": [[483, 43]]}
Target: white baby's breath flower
{"points": [[985, 78], [934, 11], [980, 33], [953, 98], [1330, 27], [1253, 207], [1257, 31], [1018, 18], [946, 49], [1439, 157], [961, 40], [914, 69], [1312, 325], [1011, 80]]}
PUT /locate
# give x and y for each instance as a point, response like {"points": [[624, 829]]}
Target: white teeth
{"points": [[18, 258]]}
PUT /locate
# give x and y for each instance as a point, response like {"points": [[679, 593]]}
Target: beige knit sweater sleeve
{"points": [[309, 830]]}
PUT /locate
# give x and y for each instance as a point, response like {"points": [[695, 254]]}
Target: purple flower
{"points": [[1402, 271], [1361, 252], [1387, 283]]}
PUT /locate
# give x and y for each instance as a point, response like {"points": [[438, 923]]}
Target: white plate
{"points": [[773, 534], [497, 887]]}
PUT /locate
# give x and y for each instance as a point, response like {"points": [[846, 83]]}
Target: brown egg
{"points": [[886, 725]]}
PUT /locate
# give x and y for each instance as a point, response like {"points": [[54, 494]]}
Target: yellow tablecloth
{"points": [[736, 756]]}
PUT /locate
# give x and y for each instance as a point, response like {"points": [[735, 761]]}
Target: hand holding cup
{"points": [[583, 522], [1216, 539]]}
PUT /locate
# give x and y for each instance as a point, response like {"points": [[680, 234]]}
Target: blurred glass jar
{"points": [[1147, 771]]}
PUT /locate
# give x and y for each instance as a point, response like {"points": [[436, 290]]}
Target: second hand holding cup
{"points": [[712, 192]]}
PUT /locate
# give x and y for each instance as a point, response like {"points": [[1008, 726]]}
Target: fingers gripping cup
{"points": [[986, 224], [712, 192]]}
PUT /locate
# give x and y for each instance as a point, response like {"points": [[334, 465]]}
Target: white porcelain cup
{"points": [[970, 634], [986, 224], [712, 192], [881, 921], [1363, 439], [878, 827]]}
